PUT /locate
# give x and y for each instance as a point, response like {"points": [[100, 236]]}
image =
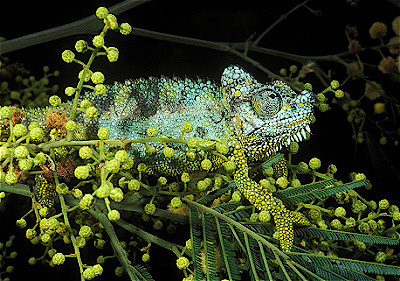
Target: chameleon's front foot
{"points": [[262, 199]]}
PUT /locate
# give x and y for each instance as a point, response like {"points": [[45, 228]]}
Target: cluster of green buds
{"points": [[14, 152], [6, 255], [27, 153], [98, 48], [29, 91]]}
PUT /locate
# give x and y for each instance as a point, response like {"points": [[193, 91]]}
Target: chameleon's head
{"points": [[265, 117]]}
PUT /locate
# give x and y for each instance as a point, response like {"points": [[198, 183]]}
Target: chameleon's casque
{"points": [[256, 120]]}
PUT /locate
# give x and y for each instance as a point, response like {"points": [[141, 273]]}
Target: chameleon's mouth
{"points": [[292, 122], [300, 135]]}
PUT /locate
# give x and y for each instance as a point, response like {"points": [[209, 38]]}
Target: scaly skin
{"points": [[256, 120]]}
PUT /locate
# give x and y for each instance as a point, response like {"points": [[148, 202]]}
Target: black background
{"points": [[233, 21]]}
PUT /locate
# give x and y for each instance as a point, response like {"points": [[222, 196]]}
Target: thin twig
{"points": [[281, 18]]}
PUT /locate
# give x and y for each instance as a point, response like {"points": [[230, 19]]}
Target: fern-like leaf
{"points": [[209, 246], [303, 189], [343, 235], [195, 236], [142, 273], [350, 266], [227, 251], [215, 194], [320, 193]]}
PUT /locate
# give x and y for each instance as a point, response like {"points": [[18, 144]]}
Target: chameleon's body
{"points": [[255, 119]]}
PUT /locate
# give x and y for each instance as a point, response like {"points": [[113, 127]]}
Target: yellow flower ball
{"points": [[379, 108]]}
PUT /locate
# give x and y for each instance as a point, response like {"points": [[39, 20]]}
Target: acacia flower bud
{"points": [[98, 41], [387, 65], [176, 202], [377, 30], [315, 163], [39, 159], [25, 164], [97, 77], [152, 132], [125, 28], [86, 201], [264, 216], [149, 208], [121, 155], [193, 142], [81, 46], [101, 12], [379, 108], [168, 152], [85, 231], [206, 164], [71, 126], [45, 238], [3, 152], [20, 130], [55, 100], [36, 134], [229, 165], [187, 127], [185, 177], [113, 215], [100, 89], [335, 84], [69, 91], [380, 257], [21, 152], [222, 148], [116, 194], [21, 223], [30, 233], [97, 269], [282, 182], [85, 152], [111, 18], [88, 273], [86, 103], [68, 56], [354, 47], [58, 259], [383, 204], [182, 263], [82, 172], [294, 147], [91, 112], [134, 185], [112, 54], [146, 257]]}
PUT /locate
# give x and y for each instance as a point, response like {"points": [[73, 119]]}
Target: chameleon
{"points": [[255, 120]]}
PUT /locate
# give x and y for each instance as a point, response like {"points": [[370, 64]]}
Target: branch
{"points": [[89, 25], [118, 250], [148, 236], [20, 189]]}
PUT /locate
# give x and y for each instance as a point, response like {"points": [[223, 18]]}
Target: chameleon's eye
{"points": [[266, 103]]}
